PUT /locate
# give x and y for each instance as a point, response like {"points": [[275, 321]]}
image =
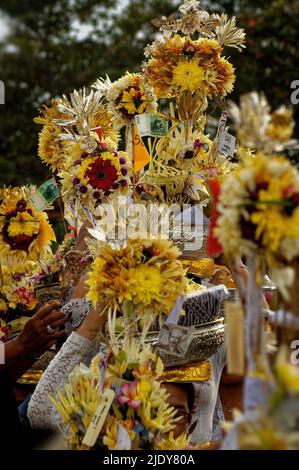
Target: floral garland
{"points": [[128, 97], [259, 209], [145, 275], [24, 231]]}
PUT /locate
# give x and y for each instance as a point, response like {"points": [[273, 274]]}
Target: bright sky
{"points": [[4, 27]]}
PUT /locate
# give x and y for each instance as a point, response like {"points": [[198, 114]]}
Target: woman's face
{"points": [[178, 399]]}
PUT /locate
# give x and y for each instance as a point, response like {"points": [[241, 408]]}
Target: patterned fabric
{"points": [[76, 310], [203, 307]]}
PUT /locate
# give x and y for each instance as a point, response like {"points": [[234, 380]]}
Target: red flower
{"points": [[101, 174]]}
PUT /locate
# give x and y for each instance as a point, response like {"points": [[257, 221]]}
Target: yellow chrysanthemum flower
{"points": [[146, 273], [188, 75], [146, 284], [129, 96], [269, 227], [180, 64]]}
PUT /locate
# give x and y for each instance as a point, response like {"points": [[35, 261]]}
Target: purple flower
{"points": [[97, 195], [83, 189]]}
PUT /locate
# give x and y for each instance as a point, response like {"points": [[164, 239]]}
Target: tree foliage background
{"points": [[54, 46]]}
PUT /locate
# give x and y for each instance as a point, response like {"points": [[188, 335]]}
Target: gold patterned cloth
{"points": [[197, 372]]}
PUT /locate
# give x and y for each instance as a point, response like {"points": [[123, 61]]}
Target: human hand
{"points": [[41, 331]]}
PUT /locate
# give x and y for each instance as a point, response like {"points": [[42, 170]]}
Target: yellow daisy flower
{"points": [[23, 223], [132, 102]]}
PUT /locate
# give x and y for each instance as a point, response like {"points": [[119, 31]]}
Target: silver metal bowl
{"points": [[208, 339]]}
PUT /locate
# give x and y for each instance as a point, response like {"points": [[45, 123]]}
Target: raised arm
{"points": [[80, 347]]}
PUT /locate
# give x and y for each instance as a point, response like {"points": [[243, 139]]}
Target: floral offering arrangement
{"points": [[25, 255], [20, 281], [182, 65], [25, 232], [99, 170], [17, 294], [18, 287], [79, 140], [187, 67], [165, 312], [139, 416], [259, 129], [127, 97], [78, 116], [143, 278]]}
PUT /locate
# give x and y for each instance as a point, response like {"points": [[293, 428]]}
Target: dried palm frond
{"points": [[228, 34], [102, 85]]}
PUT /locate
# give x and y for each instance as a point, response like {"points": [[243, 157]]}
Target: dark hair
{"points": [[189, 389]]}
